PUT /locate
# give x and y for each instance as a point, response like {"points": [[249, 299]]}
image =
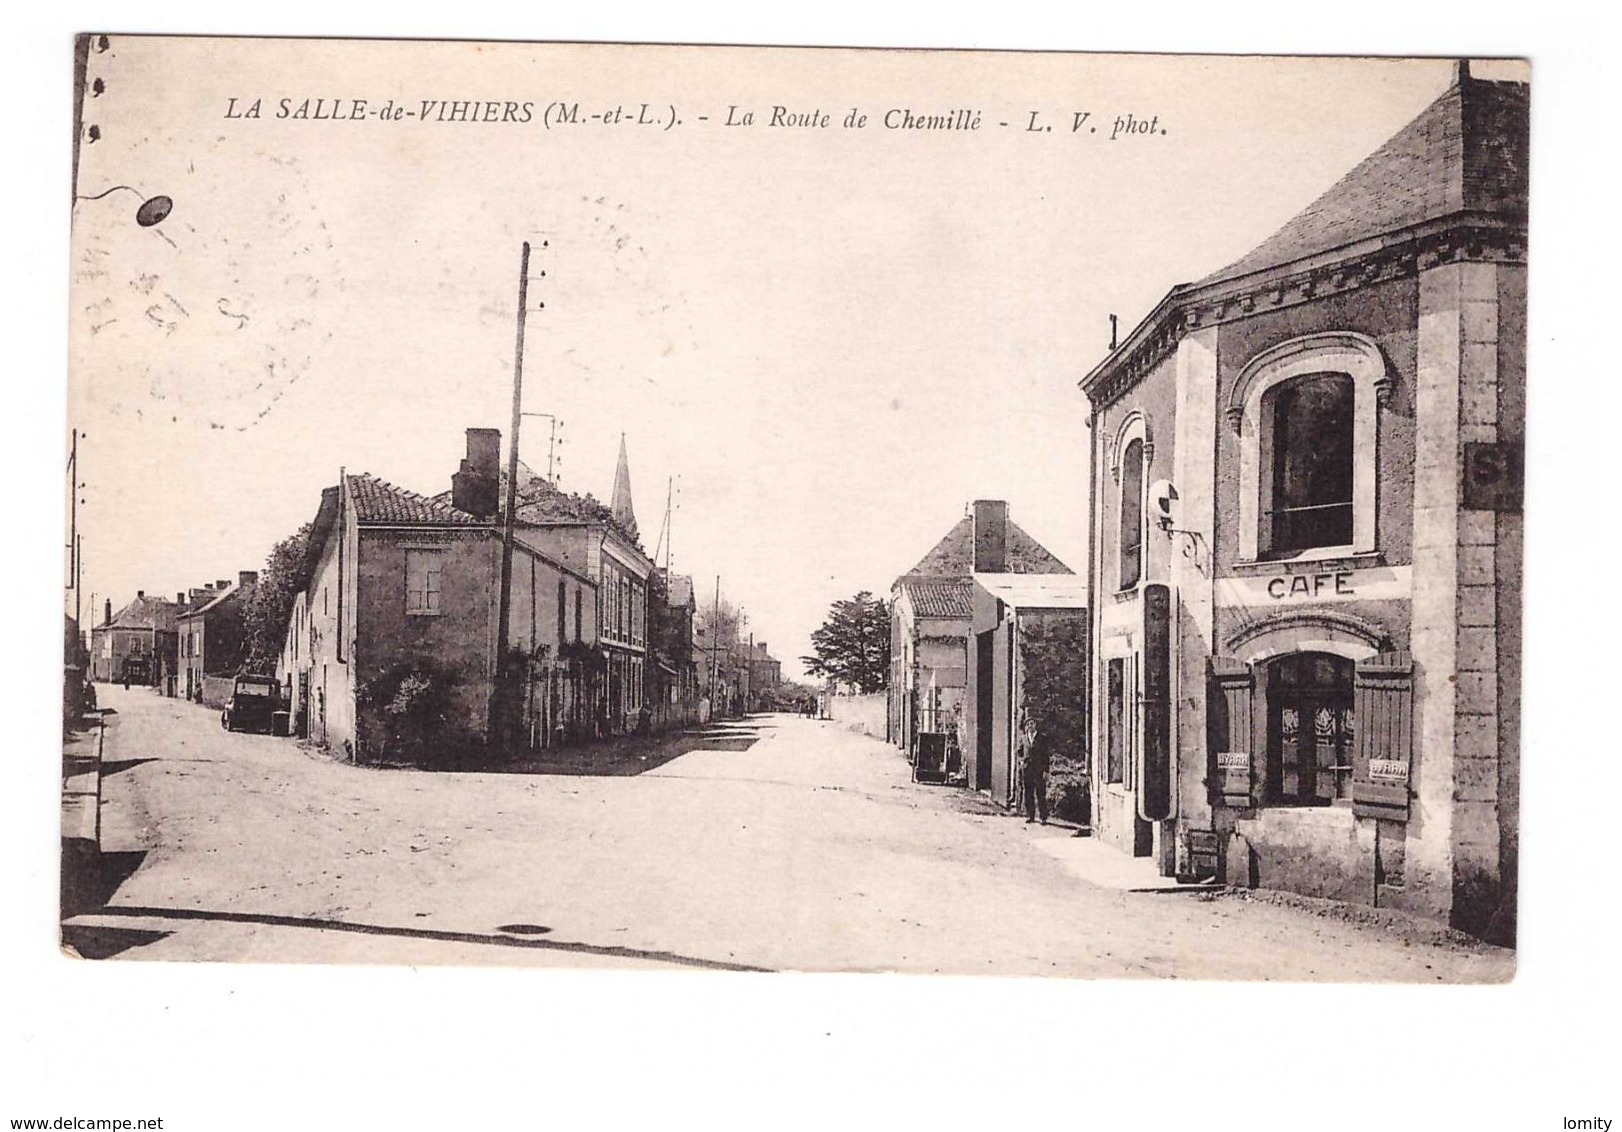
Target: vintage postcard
{"points": [[985, 513]]}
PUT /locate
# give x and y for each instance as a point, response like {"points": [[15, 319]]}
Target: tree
{"points": [[265, 614], [724, 622], [853, 645]]}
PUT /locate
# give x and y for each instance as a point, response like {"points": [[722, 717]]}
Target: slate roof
{"points": [[624, 513], [949, 598], [953, 556], [378, 501], [679, 592], [1467, 151], [234, 590], [145, 613]]}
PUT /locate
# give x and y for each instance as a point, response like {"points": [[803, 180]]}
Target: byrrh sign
{"points": [[1313, 587]]}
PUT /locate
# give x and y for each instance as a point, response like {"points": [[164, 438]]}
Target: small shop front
{"points": [[1310, 732]]}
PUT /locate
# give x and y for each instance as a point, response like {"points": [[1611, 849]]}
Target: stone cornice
{"points": [[1475, 237]]}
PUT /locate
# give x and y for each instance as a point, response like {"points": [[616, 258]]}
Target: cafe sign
{"points": [[1315, 587]]}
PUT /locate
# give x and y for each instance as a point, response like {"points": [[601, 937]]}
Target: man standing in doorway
{"points": [[1034, 757]]}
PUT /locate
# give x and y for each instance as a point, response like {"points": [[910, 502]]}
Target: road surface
{"points": [[780, 843]]}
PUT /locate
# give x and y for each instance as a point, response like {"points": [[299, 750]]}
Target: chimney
{"points": [[990, 536], [107, 612], [476, 485], [246, 578], [180, 599], [1461, 72], [222, 584], [139, 594]]}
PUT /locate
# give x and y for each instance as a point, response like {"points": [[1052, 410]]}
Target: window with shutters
{"points": [[423, 573], [1311, 729], [563, 611], [1131, 541]]}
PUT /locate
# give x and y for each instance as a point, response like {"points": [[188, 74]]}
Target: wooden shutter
{"points": [[1383, 749], [1233, 684]]}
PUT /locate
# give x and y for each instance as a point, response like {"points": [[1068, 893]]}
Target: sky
{"points": [[823, 342]]}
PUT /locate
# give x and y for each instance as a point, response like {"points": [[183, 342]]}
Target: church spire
{"points": [[624, 515]]}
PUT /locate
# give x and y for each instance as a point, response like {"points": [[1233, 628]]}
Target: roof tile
{"points": [[940, 597], [380, 502]]}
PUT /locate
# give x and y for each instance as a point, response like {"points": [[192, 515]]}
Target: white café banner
{"points": [[1314, 587]]}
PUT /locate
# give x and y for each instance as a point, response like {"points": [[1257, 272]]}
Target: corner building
{"points": [[1305, 542]]}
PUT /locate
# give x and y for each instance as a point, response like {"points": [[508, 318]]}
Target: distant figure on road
{"points": [[1034, 760]]}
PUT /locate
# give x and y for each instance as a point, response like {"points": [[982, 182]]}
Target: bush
{"points": [[1070, 796], [408, 712]]}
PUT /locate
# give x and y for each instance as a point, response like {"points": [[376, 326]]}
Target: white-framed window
{"points": [[1307, 414], [423, 574], [1129, 451]]}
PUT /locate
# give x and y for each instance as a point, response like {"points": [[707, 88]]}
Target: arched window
{"points": [[1307, 413], [1131, 515], [1307, 425]]}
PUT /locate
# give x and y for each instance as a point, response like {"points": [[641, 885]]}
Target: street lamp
{"points": [[152, 212]]}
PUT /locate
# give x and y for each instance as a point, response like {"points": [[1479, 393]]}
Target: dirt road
{"points": [[782, 843]]}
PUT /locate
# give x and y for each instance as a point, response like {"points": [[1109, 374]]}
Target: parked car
{"points": [[253, 700]]}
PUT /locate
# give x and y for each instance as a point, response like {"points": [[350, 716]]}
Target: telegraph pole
{"points": [[75, 540], [670, 496], [509, 526]]}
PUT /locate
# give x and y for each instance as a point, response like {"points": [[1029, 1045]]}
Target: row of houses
{"points": [[1301, 669], [394, 640], [988, 628], [191, 646]]}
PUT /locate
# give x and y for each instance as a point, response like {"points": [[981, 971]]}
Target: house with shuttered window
{"points": [[399, 604], [932, 643], [1305, 540]]}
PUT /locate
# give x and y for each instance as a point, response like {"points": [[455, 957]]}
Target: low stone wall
{"points": [[867, 714], [217, 690], [1315, 851]]}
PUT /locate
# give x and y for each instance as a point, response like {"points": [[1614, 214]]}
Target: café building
{"points": [[1305, 541]]}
